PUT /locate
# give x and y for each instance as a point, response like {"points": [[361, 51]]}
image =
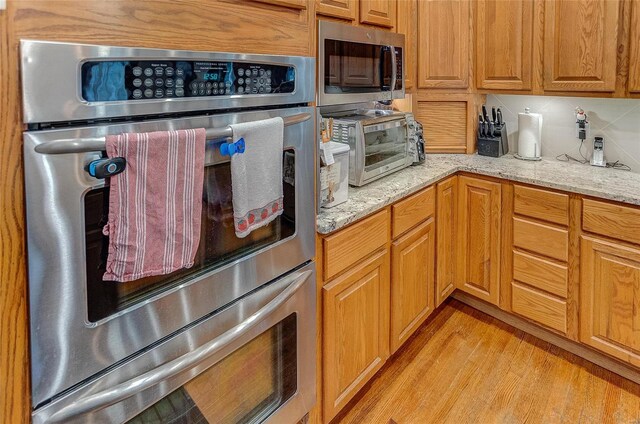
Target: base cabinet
{"points": [[447, 195], [610, 298], [412, 282], [479, 213], [356, 330]]}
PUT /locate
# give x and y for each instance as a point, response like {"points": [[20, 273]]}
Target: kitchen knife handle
{"points": [[484, 113]]}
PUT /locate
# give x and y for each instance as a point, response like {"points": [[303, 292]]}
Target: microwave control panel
{"points": [[399, 80], [107, 81]]}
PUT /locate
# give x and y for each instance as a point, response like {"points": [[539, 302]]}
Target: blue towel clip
{"points": [[230, 149]]}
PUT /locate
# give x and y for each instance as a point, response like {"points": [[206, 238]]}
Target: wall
{"points": [[617, 120], [213, 25]]}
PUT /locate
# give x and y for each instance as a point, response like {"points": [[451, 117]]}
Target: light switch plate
{"points": [[3, 4]]}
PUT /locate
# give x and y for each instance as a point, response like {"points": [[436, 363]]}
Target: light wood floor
{"points": [[466, 367]]}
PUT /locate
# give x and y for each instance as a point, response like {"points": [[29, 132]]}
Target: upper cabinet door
{"points": [[344, 9], [408, 25], [634, 49], [580, 44], [504, 44], [378, 12], [443, 41]]}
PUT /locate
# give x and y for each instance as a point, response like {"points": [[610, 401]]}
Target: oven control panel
{"points": [[106, 81]]}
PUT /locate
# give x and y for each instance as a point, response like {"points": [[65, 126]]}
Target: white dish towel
{"points": [[256, 174]]}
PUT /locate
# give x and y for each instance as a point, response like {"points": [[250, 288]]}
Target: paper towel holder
{"points": [[528, 141]]}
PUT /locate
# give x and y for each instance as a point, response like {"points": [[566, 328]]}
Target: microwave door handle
{"points": [[381, 67], [177, 366], [394, 69]]}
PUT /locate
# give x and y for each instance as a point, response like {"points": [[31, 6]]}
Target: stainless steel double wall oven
{"points": [[231, 339]]}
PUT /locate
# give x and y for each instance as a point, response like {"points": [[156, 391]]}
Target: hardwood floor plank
{"points": [[463, 366]]}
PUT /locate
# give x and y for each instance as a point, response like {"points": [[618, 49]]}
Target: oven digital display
{"points": [[112, 81]]}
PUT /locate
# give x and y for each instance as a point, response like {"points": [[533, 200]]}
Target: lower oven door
{"points": [[384, 150], [252, 362], [82, 325]]}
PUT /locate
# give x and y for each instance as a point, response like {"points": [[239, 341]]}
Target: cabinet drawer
{"points": [[412, 211], [354, 243], [540, 273], [541, 204], [539, 307], [611, 220], [540, 238]]}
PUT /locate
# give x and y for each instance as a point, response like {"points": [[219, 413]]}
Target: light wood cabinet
{"points": [[355, 330], [348, 246], [409, 212], [293, 4], [343, 9], [412, 281], [580, 45], [611, 220], [447, 195], [443, 41], [378, 12], [609, 298], [539, 254], [634, 49], [407, 24], [479, 216], [439, 138], [504, 44]]}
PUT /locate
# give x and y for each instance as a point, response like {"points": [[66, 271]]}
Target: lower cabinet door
{"points": [[355, 330], [446, 238], [412, 282], [610, 298], [479, 211]]}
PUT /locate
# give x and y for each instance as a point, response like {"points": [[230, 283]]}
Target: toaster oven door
{"points": [[383, 148]]}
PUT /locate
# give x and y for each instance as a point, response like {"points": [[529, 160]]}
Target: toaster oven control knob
{"points": [[103, 168]]}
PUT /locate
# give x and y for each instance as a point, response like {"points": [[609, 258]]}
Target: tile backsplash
{"points": [[617, 120]]}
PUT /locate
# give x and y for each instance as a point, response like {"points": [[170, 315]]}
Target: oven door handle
{"points": [[177, 366]]}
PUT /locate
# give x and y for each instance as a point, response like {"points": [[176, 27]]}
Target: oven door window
{"points": [[245, 387], [218, 242], [384, 146], [356, 67]]}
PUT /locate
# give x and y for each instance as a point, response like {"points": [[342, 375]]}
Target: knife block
{"points": [[495, 146]]}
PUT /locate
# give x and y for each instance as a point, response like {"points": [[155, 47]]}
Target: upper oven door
{"points": [[358, 64], [81, 324]]}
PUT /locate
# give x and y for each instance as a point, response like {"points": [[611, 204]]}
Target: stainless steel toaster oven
{"points": [[378, 142]]}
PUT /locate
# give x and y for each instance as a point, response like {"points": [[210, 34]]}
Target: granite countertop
{"points": [[606, 183]]}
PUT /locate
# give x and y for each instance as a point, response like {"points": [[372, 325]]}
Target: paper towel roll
{"points": [[529, 134]]}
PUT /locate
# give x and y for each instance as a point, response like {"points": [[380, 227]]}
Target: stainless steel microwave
{"points": [[358, 64], [378, 143]]}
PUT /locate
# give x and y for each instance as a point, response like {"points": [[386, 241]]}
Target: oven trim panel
{"points": [[62, 101], [66, 349]]}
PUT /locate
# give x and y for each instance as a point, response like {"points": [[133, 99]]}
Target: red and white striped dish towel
{"points": [[155, 204]]}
